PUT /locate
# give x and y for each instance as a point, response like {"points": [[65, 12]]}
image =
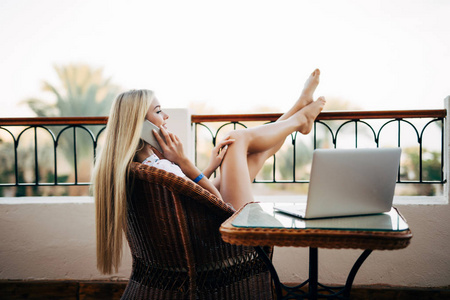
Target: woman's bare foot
{"points": [[308, 114], [306, 96], [308, 89]]}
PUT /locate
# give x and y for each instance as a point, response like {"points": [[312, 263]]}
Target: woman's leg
{"points": [[257, 160], [235, 179]]}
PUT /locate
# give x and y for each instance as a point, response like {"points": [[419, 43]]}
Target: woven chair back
{"points": [[173, 233]]}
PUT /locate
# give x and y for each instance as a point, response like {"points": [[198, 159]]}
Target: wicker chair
{"points": [[177, 250]]}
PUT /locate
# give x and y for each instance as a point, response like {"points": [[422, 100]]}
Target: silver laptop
{"points": [[349, 182]]}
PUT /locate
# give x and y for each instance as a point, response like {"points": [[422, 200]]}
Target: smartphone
{"points": [[147, 134]]}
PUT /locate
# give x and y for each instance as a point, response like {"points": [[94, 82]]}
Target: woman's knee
{"points": [[240, 135]]}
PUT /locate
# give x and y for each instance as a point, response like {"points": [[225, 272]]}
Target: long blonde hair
{"points": [[110, 174]]}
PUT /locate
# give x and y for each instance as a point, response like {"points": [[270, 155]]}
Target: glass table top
{"points": [[263, 215]]}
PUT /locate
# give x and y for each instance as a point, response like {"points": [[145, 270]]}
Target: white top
{"points": [[163, 164]]}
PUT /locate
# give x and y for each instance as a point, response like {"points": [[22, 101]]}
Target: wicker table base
{"points": [[314, 239]]}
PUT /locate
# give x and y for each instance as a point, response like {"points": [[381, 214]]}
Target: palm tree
{"points": [[82, 91]]}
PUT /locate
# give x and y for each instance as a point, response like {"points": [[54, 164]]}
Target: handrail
{"points": [[32, 121], [326, 115]]}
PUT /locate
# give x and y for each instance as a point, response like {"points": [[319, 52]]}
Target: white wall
{"points": [[49, 238], [54, 238]]}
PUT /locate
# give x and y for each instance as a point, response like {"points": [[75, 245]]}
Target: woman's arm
{"points": [[173, 151], [191, 171], [217, 155]]}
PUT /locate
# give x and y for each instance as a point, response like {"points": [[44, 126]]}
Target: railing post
{"points": [[179, 122], [446, 148]]}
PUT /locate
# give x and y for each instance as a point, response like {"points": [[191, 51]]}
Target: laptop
{"points": [[349, 182]]}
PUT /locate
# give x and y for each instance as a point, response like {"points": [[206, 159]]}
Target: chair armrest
{"points": [[181, 185]]}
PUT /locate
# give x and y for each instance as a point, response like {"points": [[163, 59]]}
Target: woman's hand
{"points": [[217, 155], [173, 151], [172, 146]]}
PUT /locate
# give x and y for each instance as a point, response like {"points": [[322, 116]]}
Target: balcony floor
{"points": [[71, 289]]}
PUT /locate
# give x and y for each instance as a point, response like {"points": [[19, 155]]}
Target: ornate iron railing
{"points": [[358, 120], [61, 131], [67, 133]]}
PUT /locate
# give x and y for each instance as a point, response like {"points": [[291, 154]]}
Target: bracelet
{"points": [[199, 177]]}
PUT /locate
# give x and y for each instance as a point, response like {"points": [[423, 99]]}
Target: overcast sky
{"points": [[233, 55]]}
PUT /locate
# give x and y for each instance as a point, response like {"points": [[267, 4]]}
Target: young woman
{"points": [[240, 156]]}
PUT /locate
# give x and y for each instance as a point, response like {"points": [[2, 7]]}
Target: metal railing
{"points": [[22, 142], [335, 123], [22, 162]]}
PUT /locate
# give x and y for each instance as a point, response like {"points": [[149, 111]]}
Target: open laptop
{"points": [[349, 182]]}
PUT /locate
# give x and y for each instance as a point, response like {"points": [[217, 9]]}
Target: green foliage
{"points": [[431, 165], [25, 170], [431, 169], [83, 91]]}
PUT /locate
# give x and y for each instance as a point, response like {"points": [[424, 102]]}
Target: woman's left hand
{"points": [[218, 153]]}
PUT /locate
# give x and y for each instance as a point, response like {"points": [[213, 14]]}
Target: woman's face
{"points": [[156, 115]]}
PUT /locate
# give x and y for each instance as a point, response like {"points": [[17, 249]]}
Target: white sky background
{"points": [[233, 55]]}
